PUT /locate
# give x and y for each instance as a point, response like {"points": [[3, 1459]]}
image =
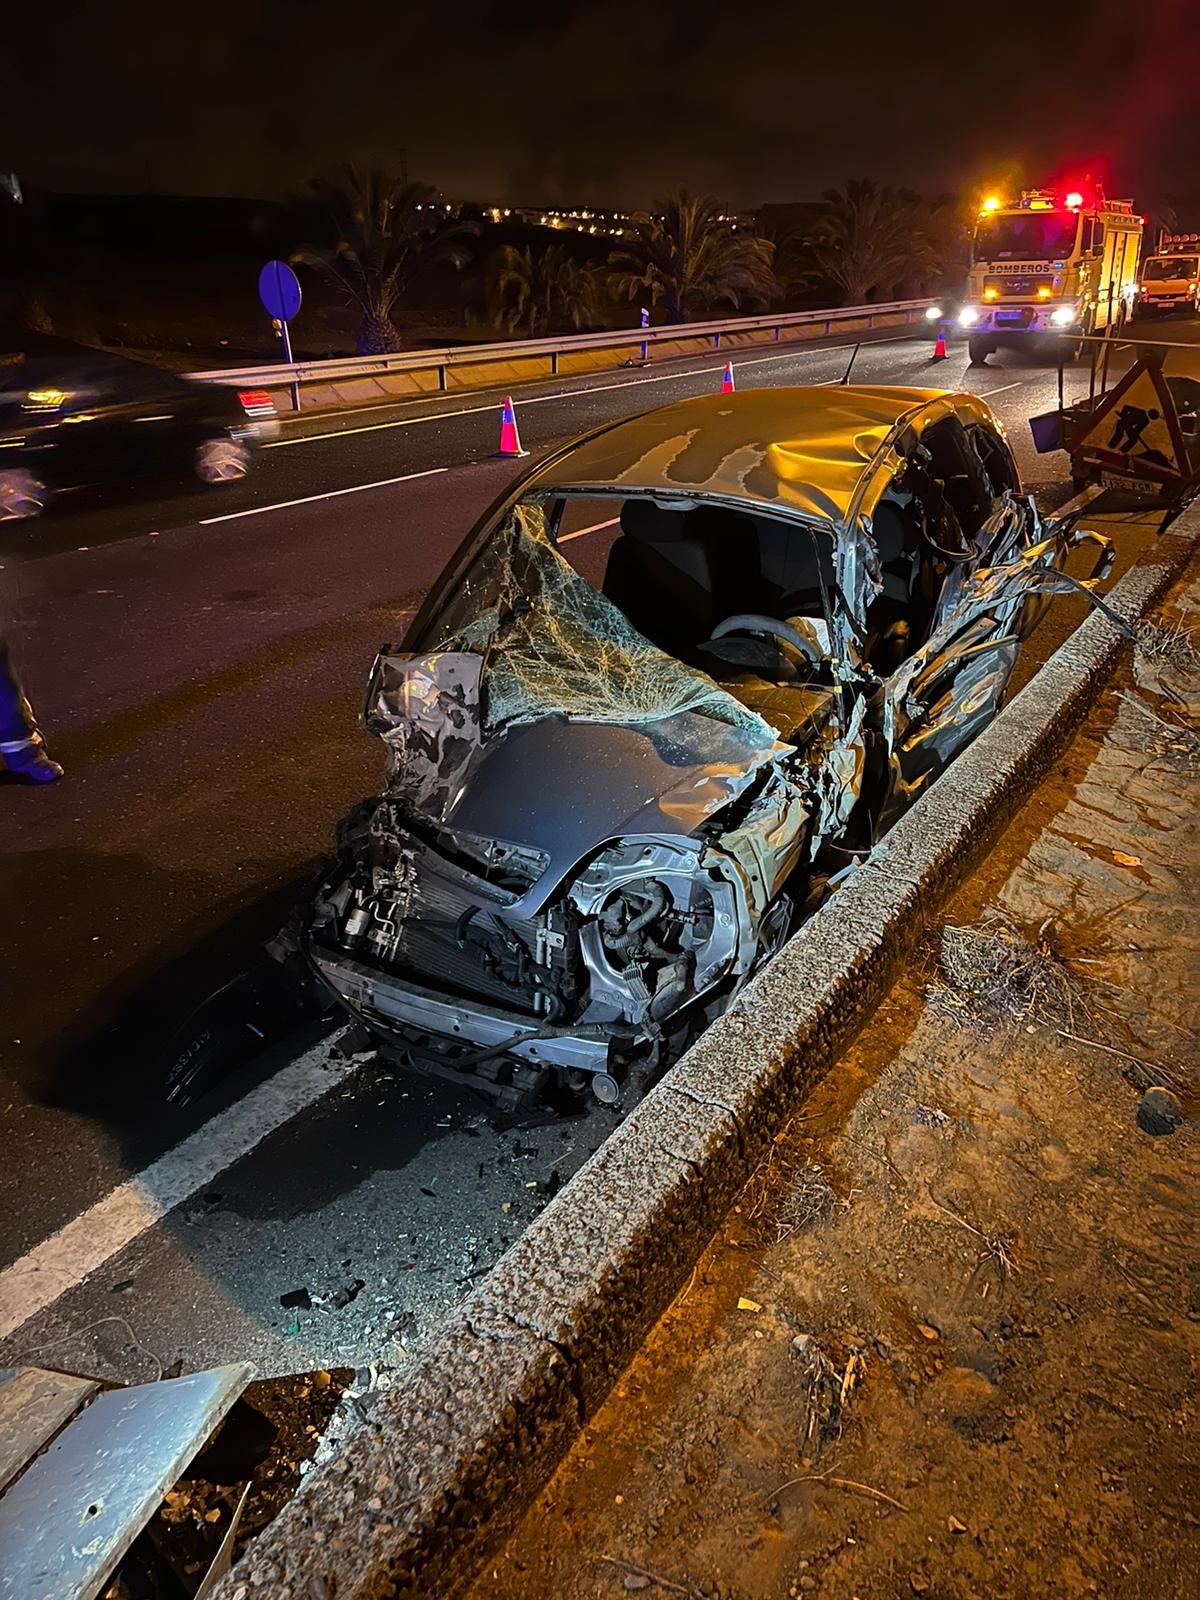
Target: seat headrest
{"points": [[653, 524], [887, 530]]}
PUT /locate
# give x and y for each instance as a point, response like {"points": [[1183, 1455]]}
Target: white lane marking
{"points": [[983, 393], [566, 538], [330, 494], [567, 394], [69, 1256]]}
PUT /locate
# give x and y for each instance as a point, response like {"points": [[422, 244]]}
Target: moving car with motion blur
{"points": [[671, 688], [83, 421]]}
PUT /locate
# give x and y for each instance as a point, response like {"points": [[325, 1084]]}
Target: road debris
{"points": [[929, 1117]]}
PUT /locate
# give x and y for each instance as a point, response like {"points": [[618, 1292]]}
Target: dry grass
{"points": [[789, 1191], [1169, 740], [992, 975], [828, 1391], [1169, 644], [998, 1251]]}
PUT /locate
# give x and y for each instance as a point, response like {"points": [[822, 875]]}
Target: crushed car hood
{"points": [[522, 787]]}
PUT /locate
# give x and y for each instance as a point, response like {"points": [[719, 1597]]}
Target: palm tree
{"points": [[870, 239], [686, 256], [388, 233], [540, 291]]}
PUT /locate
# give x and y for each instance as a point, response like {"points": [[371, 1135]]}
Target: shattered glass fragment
{"points": [[554, 646]]}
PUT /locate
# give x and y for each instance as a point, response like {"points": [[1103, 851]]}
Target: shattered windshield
{"points": [[1027, 236], [554, 646]]}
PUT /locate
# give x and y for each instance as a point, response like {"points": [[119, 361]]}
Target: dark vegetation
{"points": [[386, 264]]}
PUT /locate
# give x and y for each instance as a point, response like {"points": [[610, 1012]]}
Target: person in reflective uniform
{"points": [[22, 748]]}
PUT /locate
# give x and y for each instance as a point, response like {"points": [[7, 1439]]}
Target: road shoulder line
{"points": [[51, 1268]]}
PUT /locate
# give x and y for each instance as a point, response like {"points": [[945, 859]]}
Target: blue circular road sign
{"points": [[279, 290]]}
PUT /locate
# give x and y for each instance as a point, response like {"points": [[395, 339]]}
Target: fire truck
{"points": [[1050, 269], [1170, 279]]}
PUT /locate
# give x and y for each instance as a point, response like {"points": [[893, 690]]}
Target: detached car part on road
{"points": [[606, 807], [78, 422]]}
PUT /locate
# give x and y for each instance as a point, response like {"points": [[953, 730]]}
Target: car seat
{"points": [[675, 574]]}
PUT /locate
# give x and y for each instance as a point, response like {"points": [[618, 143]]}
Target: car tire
{"points": [[219, 461], [979, 349], [21, 494]]}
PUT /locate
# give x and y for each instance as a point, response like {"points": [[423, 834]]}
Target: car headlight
{"points": [[1063, 317], [932, 313], [967, 316]]}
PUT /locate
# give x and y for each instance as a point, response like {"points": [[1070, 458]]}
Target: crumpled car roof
{"points": [[805, 450]]}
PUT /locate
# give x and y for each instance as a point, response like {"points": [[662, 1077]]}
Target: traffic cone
{"points": [[939, 349], [510, 439], [727, 379]]}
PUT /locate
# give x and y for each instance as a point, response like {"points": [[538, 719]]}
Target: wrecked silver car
{"points": [[626, 757]]}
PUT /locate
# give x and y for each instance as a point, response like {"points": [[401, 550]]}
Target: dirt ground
{"points": [[945, 1344]]}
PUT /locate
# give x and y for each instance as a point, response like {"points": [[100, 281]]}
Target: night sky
{"points": [[607, 104]]}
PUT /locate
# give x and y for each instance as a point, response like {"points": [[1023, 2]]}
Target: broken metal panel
{"points": [[71, 1516], [758, 856], [426, 709], [837, 776], [960, 694], [33, 1406]]}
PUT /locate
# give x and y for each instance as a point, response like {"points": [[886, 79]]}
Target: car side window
{"points": [[910, 575], [958, 478], [996, 458]]}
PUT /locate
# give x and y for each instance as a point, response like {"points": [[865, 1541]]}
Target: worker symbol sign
{"points": [[1134, 431]]}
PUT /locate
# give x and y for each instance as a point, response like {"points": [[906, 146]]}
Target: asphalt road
{"points": [[198, 662]]}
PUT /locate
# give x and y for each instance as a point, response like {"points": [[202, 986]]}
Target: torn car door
{"points": [[952, 687]]}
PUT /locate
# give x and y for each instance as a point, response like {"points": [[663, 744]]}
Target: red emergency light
{"points": [[1074, 200]]}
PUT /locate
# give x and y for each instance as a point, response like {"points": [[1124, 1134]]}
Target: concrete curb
{"points": [[453, 1456]]}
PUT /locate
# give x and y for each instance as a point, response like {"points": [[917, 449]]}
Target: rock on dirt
{"points": [[1160, 1112]]}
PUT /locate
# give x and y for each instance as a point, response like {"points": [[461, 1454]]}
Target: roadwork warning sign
{"points": [[1134, 432]]}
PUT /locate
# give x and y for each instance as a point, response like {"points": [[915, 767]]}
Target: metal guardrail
{"points": [[443, 360]]}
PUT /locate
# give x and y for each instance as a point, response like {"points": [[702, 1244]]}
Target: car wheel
{"points": [[21, 495], [222, 461]]}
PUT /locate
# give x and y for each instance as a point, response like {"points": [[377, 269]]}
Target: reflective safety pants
{"points": [[18, 726]]}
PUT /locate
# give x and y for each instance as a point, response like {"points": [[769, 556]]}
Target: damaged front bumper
{"points": [[438, 1027]]}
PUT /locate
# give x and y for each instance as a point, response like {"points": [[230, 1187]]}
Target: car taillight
{"points": [[256, 402]]}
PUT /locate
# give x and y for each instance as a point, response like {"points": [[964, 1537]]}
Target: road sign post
{"points": [[279, 291]]}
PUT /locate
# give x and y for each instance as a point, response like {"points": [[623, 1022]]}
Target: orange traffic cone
{"points": [[727, 379], [510, 439], [939, 349]]}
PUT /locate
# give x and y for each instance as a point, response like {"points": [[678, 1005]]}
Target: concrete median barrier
{"points": [[452, 1456]]}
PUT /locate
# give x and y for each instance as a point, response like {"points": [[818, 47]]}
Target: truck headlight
{"points": [[967, 317], [1063, 316], [932, 313]]}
